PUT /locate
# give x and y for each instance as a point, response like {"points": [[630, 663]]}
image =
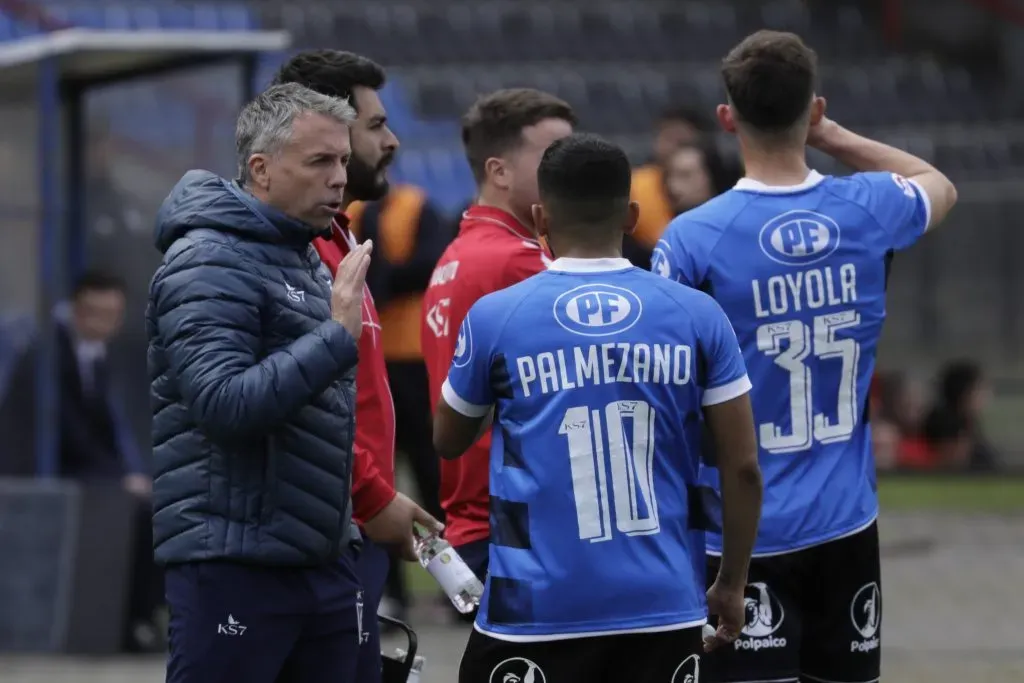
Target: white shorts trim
{"points": [[589, 634], [825, 680]]}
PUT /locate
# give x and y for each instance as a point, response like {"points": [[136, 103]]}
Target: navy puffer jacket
{"points": [[253, 385]]}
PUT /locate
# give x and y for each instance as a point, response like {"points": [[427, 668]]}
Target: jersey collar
{"points": [[751, 185], [499, 217], [589, 265]]}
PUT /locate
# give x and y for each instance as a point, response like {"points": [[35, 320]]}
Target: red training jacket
{"points": [[373, 466], [492, 251]]}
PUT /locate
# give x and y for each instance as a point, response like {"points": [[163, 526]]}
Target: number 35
{"points": [[808, 426]]}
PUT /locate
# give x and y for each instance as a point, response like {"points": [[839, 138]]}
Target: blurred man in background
{"points": [[253, 363], [384, 514], [800, 261], [505, 134], [674, 127], [410, 235], [953, 428], [96, 444]]}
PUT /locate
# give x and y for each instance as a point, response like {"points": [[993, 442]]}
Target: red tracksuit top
{"points": [[492, 251], [373, 467]]}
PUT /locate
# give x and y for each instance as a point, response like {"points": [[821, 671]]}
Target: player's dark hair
{"points": [[494, 124], [97, 281], [332, 72], [770, 79], [584, 183]]}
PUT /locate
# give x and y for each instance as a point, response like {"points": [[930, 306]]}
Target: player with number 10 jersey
{"points": [[600, 375]]}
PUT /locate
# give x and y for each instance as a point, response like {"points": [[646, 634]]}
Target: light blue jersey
{"points": [[599, 372], [801, 272]]}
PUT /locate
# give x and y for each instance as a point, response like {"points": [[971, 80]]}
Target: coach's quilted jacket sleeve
{"points": [[252, 385], [209, 305]]}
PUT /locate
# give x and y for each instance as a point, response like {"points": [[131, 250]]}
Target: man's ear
{"points": [[818, 106], [726, 118], [259, 171], [540, 220], [496, 171], [632, 217]]}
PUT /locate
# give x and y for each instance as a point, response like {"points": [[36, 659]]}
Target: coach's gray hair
{"points": [[266, 122]]}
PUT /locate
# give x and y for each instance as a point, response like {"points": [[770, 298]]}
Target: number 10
{"points": [[630, 460]]}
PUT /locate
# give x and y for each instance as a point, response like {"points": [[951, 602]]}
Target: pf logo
{"points": [[866, 610], [517, 670], [464, 345], [659, 262], [799, 238], [597, 310], [688, 671]]}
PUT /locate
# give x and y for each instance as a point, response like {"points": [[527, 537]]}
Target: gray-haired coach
{"points": [[252, 357]]}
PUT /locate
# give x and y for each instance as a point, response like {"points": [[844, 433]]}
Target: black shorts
{"points": [[666, 657], [812, 615]]}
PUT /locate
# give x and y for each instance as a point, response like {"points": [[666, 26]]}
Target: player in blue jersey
{"points": [[602, 377], [799, 262]]}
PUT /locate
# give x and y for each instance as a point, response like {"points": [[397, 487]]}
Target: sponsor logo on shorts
{"points": [[688, 671], [866, 615], [764, 614], [518, 670]]}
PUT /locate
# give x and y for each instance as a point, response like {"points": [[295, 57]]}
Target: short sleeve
{"points": [[900, 206], [468, 386], [727, 373], [684, 251]]}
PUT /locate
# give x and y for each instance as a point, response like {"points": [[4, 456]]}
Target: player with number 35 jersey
{"points": [[800, 263]]}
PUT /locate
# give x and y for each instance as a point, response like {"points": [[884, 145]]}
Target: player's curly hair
{"points": [[332, 72], [494, 124], [770, 78]]}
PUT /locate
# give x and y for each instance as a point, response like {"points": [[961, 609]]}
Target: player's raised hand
{"points": [[726, 602], [347, 291]]}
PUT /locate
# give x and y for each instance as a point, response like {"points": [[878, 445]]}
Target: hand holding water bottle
{"points": [[393, 526], [439, 558]]}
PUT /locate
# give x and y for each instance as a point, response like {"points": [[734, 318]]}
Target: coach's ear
{"points": [[632, 217], [540, 220], [725, 118]]}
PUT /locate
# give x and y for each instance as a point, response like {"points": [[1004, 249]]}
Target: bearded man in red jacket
{"points": [[384, 515]]}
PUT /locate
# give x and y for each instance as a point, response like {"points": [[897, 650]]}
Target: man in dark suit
{"points": [[95, 439]]}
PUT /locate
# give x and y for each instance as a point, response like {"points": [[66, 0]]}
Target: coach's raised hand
{"points": [[348, 289]]}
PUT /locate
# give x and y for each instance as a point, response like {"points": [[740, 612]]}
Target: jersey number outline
{"points": [[437, 317], [806, 427], [629, 460]]}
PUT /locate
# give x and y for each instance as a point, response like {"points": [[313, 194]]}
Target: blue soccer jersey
{"points": [[598, 371], [801, 272]]}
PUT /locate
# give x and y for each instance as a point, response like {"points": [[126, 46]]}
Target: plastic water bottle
{"points": [[417, 665], [442, 562]]}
